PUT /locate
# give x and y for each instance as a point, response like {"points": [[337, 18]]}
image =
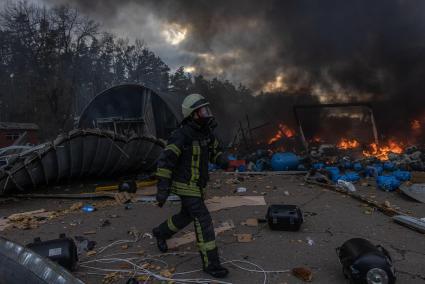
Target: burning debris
{"points": [[344, 162], [283, 132], [346, 144], [382, 152]]}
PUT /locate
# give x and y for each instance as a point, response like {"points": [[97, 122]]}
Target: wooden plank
{"points": [[140, 185]]}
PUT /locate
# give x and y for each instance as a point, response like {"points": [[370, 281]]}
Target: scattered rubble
{"points": [[303, 273], [111, 278], [251, 222], [243, 238], [26, 220], [124, 197], [241, 189], [76, 206], [325, 166]]}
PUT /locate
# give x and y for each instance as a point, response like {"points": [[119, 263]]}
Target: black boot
{"points": [[160, 241], [214, 267], [216, 270]]}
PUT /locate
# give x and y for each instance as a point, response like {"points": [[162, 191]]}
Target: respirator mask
{"points": [[204, 117]]}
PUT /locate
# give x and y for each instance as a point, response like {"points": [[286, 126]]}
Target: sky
{"points": [[338, 50]]}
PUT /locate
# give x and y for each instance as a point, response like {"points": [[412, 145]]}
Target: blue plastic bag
{"points": [[242, 168], [357, 167], [318, 166], [350, 176], [284, 161], [262, 165], [231, 157], [212, 167], [387, 183], [346, 164], [374, 170], [334, 172], [389, 166], [402, 175]]}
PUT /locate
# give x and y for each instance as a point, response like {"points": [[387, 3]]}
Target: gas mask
{"points": [[204, 117]]}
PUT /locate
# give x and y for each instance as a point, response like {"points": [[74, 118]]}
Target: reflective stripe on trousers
{"points": [[194, 209]]}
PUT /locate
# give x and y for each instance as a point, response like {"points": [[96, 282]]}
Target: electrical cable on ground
{"points": [[139, 270]]}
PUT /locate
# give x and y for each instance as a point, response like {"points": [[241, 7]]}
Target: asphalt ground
{"points": [[330, 220]]}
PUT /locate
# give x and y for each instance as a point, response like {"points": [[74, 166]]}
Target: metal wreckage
{"points": [[120, 132]]}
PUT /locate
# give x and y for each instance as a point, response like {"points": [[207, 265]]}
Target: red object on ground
{"points": [[234, 164]]}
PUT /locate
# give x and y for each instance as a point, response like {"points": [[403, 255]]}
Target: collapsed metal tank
{"points": [[133, 108], [121, 131]]}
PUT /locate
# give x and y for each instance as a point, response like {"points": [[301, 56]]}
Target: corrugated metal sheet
{"points": [[80, 154]]}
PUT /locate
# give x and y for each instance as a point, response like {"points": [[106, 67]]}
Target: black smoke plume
{"points": [[338, 50]]}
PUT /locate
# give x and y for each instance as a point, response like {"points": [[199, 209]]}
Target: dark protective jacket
{"points": [[184, 161]]}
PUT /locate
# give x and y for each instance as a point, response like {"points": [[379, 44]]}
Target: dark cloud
{"points": [[341, 50]]}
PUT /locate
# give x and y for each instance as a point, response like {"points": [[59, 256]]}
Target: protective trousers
{"points": [[194, 209]]}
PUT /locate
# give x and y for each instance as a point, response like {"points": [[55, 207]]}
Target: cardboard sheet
{"points": [[223, 202], [190, 237]]}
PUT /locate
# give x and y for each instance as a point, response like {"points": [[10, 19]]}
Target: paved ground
{"points": [[330, 219]]}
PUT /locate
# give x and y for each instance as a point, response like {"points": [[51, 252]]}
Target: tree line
{"points": [[53, 61]]}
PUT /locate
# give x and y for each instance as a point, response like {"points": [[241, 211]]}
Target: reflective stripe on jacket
{"points": [[184, 161]]}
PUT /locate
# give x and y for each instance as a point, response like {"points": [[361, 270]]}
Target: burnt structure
{"points": [[319, 107]]}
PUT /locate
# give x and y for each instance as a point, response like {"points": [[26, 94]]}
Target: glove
{"points": [[163, 190]]}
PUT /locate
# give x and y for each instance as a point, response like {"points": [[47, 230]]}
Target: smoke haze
{"points": [[338, 50]]}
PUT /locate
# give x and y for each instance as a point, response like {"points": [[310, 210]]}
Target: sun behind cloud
{"points": [[174, 33]]}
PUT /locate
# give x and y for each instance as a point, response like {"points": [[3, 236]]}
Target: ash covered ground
{"points": [[330, 220]]}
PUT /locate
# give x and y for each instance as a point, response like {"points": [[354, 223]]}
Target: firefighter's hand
{"points": [[163, 191]]}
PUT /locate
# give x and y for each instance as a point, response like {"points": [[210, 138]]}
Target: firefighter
{"points": [[183, 170]]}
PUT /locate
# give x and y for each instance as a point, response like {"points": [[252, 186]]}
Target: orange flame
{"points": [[284, 131], [381, 152], [348, 144], [317, 139], [415, 125]]}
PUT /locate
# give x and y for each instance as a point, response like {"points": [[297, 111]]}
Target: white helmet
{"points": [[193, 102]]}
